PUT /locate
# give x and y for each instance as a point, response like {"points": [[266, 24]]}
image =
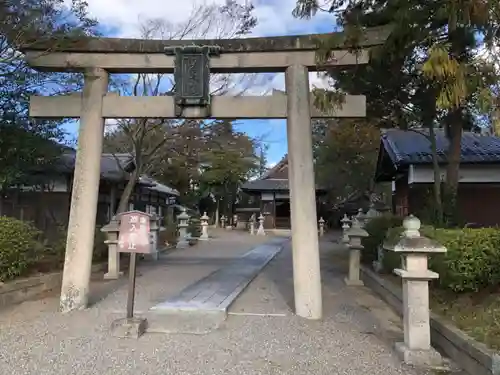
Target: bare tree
{"points": [[144, 138]]}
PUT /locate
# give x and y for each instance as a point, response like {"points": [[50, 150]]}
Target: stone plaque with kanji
{"points": [[134, 233]]}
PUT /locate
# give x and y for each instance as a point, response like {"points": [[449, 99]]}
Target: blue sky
{"points": [[123, 18]]}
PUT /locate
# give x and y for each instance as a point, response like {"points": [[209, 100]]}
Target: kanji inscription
{"points": [[134, 233]]}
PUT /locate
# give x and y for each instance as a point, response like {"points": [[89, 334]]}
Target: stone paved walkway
{"points": [[261, 336]]}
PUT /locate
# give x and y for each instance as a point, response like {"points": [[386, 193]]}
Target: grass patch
{"points": [[477, 314]]}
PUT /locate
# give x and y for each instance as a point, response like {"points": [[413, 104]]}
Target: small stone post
{"points": [[372, 212], [414, 249], [356, 233], [260, 231], [155, 228], [321, 223], [183, 224], [112, 229], [204, 227], [378, 265], [345, 228], [223, 221], [252, 224]]}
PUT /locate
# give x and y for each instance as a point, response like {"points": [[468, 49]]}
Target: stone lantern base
{"points": [[129, 327], [419, 358], [350, 282]]}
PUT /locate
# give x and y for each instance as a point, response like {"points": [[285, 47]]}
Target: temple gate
{"points": [[192, 61]]}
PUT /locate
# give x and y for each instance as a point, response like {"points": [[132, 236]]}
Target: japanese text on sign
{"points": [[134, 233]]}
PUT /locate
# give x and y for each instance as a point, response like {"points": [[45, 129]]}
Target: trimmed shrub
{"points": [[19, 247], [392, 260], [169, 235], [194, 227], [100, 253], [51, 254], [377, 229], [471, 263]]}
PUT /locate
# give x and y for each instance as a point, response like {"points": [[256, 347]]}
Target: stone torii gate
{"points": [[193, 61]]}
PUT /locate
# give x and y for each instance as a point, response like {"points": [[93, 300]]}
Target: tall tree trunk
{"points": [[217, 213], [437, 178], [454, 123], [127, 192], [495, 121], [453, 168]]}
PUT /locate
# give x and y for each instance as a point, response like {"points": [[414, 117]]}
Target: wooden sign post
{"points": [[133, 238]]}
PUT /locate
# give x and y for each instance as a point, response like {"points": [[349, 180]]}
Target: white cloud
{"points": [[274, 16]]}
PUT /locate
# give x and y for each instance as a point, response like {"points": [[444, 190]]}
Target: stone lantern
{"points": [[321, 223], [112, 230], [345, 228], [260, 230], [252, 224], [356, 234], [204, 227], [372, 212], [415, 249], [183, 218], [361, 217]]}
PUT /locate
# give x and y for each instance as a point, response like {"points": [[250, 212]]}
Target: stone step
{"points": [[202, 306]]}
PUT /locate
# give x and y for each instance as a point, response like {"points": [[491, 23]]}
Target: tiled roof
{"points": [[266, 185], [270, 184], [156, 186], [272, 172], [268, 181], [113, 168], [273, 179], [410, 147]]}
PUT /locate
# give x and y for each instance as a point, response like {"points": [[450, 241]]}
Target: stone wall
{"points": [[18, 291]]}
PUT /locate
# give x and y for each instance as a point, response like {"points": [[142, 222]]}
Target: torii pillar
{"points": [[305, 243], [85, 194]]}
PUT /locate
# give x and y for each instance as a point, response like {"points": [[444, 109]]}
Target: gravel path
{"points": [[352, 339]]}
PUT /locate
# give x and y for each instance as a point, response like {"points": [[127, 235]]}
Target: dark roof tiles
{"points": [[412, 147], [266, 185], [113, 168]]}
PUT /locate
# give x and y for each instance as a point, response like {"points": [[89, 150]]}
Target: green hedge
{"points": [[377, 229], [19, 247], [194, 227], [471, 263]]}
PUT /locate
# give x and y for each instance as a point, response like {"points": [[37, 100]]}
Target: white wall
{"points": [[282, 196], [267, 196], [468, 174]]}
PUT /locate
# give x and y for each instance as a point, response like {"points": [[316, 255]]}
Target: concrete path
{"points": [[202, 306], [261, 335]]}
